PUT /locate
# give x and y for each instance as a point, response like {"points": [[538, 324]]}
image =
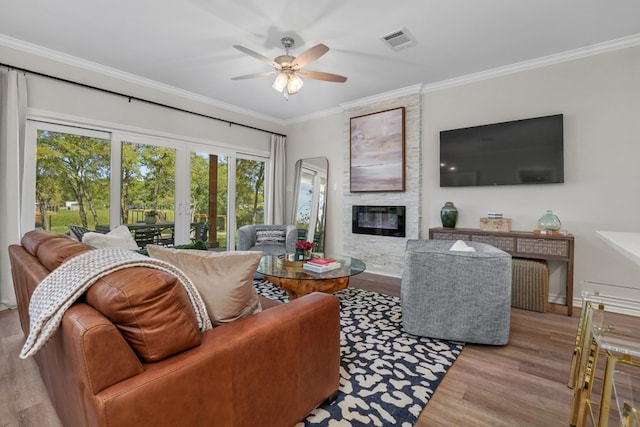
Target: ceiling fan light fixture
{"points": [[289, 68], [281, 82], [294, 85]]}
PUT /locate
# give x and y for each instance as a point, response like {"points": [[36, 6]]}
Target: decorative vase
{"points": [[549, 221], [449, 215]]}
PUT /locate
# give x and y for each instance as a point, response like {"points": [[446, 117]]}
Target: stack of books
{"points": [[321, 265], [494, 215]]}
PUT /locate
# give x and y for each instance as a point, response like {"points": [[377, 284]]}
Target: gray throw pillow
{"points": [[269, 236]]}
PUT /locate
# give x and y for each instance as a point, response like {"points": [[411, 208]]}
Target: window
{"points": [[72, 178], [147, 183], [250, 184], [99, 179]]}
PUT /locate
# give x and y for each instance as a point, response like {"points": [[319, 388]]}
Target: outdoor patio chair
{"points": [[144, 236]]}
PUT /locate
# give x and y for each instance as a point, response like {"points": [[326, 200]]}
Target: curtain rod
{"points": [[130, 98]]}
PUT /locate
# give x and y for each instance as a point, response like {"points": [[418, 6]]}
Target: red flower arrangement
{"points": [[305, 246]]}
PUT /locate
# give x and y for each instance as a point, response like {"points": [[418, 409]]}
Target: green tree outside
{"points": [[77, 168]]}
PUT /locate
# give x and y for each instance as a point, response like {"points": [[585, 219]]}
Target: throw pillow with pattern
{"points": [[269, 236]]}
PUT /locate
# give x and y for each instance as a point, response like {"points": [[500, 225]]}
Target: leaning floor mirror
{"points": [[309, 205]]}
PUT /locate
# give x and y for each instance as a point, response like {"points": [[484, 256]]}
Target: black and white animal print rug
{"points": [[387, 376]]}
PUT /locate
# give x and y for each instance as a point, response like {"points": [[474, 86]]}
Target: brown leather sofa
{"points": [[269, 369]]}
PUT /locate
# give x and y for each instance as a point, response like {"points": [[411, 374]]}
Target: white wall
{"points": [[320, 138], [66, 100], [600, 99]]}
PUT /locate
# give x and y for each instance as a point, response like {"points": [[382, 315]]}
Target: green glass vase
{"points": [[449, 215], [549, 221]]}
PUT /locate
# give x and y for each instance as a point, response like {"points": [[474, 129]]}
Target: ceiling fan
{"points": [[289, 68]]}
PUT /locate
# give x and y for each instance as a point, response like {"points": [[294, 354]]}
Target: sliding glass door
{"points": [[227, 192], [208, 199], [147, 192], [166, 191], [249, 191], [147, 183]]}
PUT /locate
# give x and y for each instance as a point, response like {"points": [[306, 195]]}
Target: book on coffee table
{"points": [[322, 261], [320, 265]]}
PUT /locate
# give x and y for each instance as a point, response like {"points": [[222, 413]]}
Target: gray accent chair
{"points": [[270, 239], [456, 295]]}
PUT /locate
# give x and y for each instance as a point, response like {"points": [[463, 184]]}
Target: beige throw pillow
{"points": [[119, 237], [224, 279]]}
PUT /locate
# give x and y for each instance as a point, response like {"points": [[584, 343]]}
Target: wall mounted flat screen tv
{"points": [[528, 151]]}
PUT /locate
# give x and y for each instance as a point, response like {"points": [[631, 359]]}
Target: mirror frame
{"points": [[318, 202]]}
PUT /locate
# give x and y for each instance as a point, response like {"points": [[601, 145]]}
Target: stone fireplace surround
{"points": [[385, 254]]}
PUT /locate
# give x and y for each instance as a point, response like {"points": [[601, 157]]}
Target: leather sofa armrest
{"points": [[96, 348]]}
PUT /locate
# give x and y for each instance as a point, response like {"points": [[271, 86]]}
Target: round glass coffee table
{"points": [[296, 281]]}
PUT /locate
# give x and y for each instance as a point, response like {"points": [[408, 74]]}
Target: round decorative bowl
{"points": [[284, 262]]}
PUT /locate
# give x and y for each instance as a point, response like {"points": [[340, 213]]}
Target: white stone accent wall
{"points": [[385, 254]]}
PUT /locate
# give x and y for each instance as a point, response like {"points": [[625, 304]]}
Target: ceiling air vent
{"points": [[399, 39]]}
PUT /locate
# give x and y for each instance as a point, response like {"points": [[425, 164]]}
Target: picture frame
{"points": [[377, 143]]}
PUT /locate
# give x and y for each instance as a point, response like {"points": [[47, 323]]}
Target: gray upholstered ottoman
{"points": [[453, 295]]}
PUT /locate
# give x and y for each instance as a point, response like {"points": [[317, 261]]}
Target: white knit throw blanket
{"points": [[64, 285]]}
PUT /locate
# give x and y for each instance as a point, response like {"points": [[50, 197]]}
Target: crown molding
{"points": [[571, 55], [394, 94], [314, 116], [385, 96], [597, 49], [94, 67]]}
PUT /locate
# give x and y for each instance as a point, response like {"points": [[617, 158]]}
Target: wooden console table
{"points": [[522, 244]]}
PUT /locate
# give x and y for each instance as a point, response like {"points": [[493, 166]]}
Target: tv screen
{"points": [[528, 151]]}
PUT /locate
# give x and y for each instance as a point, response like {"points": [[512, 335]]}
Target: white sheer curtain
{"points": [[278, 155], [13, 120]]}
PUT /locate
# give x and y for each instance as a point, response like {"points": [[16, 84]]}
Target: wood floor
{"points": [[521, 384]]}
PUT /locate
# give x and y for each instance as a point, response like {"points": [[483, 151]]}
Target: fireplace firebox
{"points": [[378, 220]]}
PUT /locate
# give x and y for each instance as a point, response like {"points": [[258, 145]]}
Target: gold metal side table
{"points": [[598, 332]]}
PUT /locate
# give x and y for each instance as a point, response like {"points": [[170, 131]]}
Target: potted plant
{"points": [[303, 250], [150, 217]]}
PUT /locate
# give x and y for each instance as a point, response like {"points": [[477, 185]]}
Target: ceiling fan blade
{"points": [[319, 75], [251, 76], [309, 55], [256, 55]]}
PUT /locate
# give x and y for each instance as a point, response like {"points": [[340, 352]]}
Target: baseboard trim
{"points": [[626, 306]]}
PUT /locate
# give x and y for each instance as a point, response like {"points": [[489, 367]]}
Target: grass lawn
{"points": [[61, 220]]}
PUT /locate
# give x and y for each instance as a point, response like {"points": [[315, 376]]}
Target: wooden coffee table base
{"points": [[296, 288]]}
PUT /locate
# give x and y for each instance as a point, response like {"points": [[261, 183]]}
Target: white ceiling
{"points": [[187, 44]]}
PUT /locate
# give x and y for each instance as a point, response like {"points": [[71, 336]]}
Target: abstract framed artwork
{"points": [[377, 151]]}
